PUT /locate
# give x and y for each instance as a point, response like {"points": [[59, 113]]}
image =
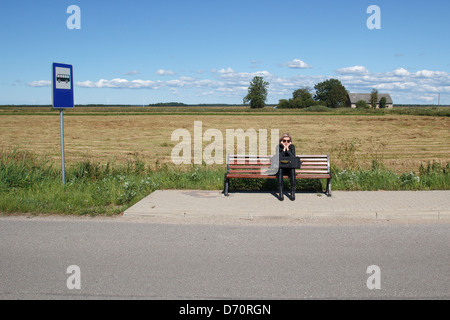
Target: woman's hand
{"points": [[286, 146]]}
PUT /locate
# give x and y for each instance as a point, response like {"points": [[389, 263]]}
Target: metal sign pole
{"points": [[61, 120], [62, 91]]}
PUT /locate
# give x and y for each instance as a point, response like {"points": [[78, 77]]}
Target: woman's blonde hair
{"points": [[285, 135]]}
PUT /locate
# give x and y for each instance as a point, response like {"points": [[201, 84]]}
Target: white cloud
{"points": [[231, 76], [395, 86], [400, 83], [226, 82], [225, 71], [401, 72], [427, 98], [430, 74], [131, 73], [297, 64], [162, 72], [118, 83], [40, 83], [353, 70]]}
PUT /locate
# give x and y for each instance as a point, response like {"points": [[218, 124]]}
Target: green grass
{"points": [[376, 179], [222, 110], [29, 184], [32, 185]]}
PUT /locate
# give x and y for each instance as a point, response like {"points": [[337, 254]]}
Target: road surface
{"points": [[118, 258]]}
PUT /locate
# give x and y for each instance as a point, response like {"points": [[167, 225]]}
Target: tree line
{"points": [[330, 93]]}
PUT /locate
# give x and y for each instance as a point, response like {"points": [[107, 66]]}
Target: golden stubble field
{"points": [[401, 142]]}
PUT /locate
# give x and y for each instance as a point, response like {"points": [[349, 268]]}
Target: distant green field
{"points": [[221, 110]]}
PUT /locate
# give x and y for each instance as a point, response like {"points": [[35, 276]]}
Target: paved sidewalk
{"points": [[367, 205]]}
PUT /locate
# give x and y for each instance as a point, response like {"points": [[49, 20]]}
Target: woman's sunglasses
{"points": [[284, 140]]}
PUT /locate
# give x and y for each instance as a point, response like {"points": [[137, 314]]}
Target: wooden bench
{"points": [[258, 167]]}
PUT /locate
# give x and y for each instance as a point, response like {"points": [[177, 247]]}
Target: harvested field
{"points": [[401, 142]]}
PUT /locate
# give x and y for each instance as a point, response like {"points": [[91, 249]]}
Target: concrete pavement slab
{"points": [[249, 205]]}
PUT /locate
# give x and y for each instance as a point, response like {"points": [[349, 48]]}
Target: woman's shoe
{"points": [[280, 191]]}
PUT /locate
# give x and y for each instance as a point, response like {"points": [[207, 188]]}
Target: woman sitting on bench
{"points": [[286, 149]]}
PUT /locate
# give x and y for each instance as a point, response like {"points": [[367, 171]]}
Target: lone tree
{"points": [[257, 93], [332, 92], [374, 98]]}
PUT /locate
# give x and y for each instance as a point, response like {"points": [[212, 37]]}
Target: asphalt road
{"points": [[134, 259]]}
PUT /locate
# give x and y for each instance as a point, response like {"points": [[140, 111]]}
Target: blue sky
{"points": [[207, 51]]}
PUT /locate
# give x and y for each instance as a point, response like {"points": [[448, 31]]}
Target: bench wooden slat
{"points": [[249, 170], [313, 162], [314, 159], [262, 176], [268, 157], [253, 176], [267, 167], [259, 158], [232, 167], [258, 169], [249, 163], [312, 156], [246, 163]]}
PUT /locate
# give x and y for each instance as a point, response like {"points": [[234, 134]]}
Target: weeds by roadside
{"points": [[29, 184]]}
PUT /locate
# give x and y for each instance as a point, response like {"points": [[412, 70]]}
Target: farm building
{"points": [[355, 97]]}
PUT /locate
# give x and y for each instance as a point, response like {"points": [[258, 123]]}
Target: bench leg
{"points": [[328, 191], [226, 186]]}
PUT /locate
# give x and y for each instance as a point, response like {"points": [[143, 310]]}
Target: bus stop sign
{"points": [[62, 86]]}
